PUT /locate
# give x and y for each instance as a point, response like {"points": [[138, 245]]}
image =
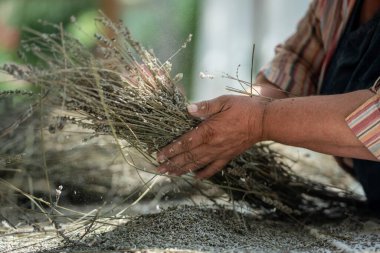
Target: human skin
{"points": [[233, 124]]}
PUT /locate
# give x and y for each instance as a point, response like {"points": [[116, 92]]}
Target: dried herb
{"points": [[132, 95]]}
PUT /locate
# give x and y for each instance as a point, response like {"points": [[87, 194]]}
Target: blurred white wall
{"points": [[227, 30]]}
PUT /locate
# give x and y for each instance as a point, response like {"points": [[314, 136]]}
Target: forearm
{"points": [[317, 123]]}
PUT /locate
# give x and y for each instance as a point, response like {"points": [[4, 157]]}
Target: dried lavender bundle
{"points": [[130, 94], [128, 90]]}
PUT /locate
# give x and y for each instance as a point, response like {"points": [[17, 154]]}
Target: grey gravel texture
{"points": [[201, 229]]}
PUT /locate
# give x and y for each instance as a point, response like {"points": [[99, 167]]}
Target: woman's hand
{"points": [[231, 125]]}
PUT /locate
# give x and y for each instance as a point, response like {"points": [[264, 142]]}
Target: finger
{"points": [[187, 161], [188, 168], [186, 142], [189, 141], [207, 108], [211, 169]]}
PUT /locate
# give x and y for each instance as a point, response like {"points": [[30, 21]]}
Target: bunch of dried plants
{"points": [[128, 93]]}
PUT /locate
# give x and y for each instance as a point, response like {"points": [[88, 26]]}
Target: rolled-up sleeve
{"points": [[365, 122], [297, 62]]}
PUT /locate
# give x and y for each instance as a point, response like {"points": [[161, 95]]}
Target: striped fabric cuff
{"points": [[365, 123]]}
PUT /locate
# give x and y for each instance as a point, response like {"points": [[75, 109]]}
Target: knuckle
{"points": [[169, 164], [208, 133], [174, 166], [188, 156], [204, 106], [224, 99], [170, 151], [185, 145]]}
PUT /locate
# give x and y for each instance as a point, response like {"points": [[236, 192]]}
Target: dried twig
{"points": [[131, 95]]}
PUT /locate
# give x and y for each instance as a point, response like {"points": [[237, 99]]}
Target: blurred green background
{"points": [[159, 25]]}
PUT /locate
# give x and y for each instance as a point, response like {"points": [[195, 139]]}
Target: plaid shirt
{"points": [[300, 64]]}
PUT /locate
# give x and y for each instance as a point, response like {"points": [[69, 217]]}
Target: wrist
{"points": [[264, 121]]}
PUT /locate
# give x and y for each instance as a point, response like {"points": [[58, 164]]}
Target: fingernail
{"points": [[192, 108]]}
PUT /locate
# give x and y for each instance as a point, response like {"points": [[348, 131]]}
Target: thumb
{"points": [[206, 108]]}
